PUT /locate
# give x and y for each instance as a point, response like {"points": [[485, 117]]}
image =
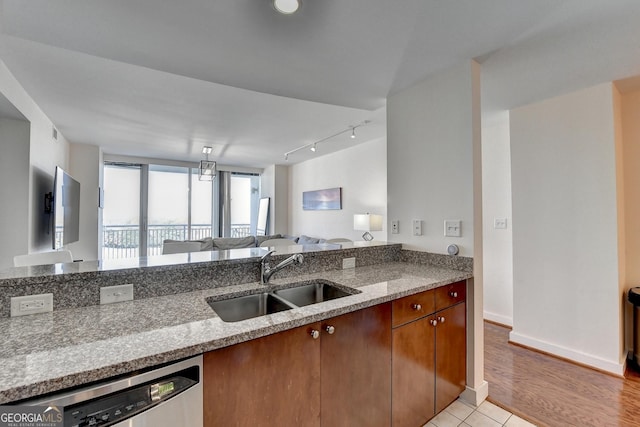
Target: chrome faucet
{"points": [[266, 271]]}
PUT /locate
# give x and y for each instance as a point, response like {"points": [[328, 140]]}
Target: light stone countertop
{"points": [[52, 351]]}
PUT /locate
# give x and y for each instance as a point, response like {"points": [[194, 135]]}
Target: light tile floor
{"points": [[460, 413]]}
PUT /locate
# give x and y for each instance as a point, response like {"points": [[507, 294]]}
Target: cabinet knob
{"points": [[433, 322], [315, 334], [441, 319], [330, 329], [453, 294], [416, 307]]}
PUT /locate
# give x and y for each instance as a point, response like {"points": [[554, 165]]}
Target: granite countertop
{"points": [[52, 351]]}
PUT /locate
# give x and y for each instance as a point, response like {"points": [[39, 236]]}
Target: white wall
{"points": [[361, 171], [430, 160], [14, 189], [496, 202], [565, 248], [85, 165], [274, 183], [44, 155], [434, 173]]}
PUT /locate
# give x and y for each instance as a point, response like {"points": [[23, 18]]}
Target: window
{"points": [[245, 197], [121, 213], [146, 204]]}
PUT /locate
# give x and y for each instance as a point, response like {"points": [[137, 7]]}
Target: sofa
{"points": [[170, 246]]}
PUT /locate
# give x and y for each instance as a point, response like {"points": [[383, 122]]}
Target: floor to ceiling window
{"points": [[245, 197], [146, 204], [167, 206], [121, 213]]}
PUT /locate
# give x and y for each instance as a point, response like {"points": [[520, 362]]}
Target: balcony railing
{"points": [[123, 241]]}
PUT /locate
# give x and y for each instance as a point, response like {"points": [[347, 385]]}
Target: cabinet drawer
{"points": [[412, 307], [449, 295]]}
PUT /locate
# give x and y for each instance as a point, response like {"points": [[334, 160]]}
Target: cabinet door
{"points": [[356, 369], [269, 381], [413, 361], [450, 355]]}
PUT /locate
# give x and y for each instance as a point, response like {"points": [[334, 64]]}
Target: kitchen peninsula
{"points": [[170, 319]]}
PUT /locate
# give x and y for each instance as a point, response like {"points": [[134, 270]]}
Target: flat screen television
{"points": [[65, 209]]}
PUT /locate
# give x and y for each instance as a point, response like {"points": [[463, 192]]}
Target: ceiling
{"points": [[162, 79]]}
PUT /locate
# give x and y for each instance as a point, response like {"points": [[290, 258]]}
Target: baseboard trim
{"points": [[476, 396], [568, 354], [499, 319], [502, 325]]}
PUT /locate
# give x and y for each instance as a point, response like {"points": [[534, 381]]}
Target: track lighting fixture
{"points": [[314, 145]]}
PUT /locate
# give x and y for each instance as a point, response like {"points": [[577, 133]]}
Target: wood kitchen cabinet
{"points": [[428, 353], [356, 369], [450, 355], [413, 387], [342, 378], [269, 381]]}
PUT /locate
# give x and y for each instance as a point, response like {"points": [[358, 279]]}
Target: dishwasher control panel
{"points": [[120, 405]]}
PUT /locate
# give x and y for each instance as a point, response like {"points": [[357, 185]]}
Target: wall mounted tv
{"points": [[65, 209]]}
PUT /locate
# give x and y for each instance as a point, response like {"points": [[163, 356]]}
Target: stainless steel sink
{"points": [[247, 307], [313, 292], [299, 294]]}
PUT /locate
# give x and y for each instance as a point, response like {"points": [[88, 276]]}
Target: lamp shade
{"points": [[367, 222]]}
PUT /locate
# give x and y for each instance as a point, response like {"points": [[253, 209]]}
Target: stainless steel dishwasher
{"points": [[170, 396]]}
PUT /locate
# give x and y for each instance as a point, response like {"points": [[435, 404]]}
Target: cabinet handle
{"points": [[330, 329], [433, 322], [416, 307], [453, 294], [315, 334], [441, 319]]}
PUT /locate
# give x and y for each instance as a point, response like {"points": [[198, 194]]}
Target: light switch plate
{"points": [[31, 304], [500, 223], [453, 228], [119, 293], [395, 227]]}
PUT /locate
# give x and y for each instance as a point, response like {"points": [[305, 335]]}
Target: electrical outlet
{"points": [[395, 227], [349, 263], [453, 228], [119, 293], [31, 304], [417, 227]]}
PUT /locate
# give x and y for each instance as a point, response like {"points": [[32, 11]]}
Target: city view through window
{"points": [[175, 205]]}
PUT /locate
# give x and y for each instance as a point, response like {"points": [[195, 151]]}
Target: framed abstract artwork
{"points": [[318, 200]]}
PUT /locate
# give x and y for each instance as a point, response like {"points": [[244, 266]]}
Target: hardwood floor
{"points": [[552, 392]]}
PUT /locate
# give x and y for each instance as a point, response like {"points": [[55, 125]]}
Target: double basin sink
{"points": [[298, 295]]}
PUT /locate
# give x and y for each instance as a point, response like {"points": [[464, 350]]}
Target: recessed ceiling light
{"points": [[286, 7]]}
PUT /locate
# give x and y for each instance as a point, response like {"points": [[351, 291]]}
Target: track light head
{"points": [[353, 133]]}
